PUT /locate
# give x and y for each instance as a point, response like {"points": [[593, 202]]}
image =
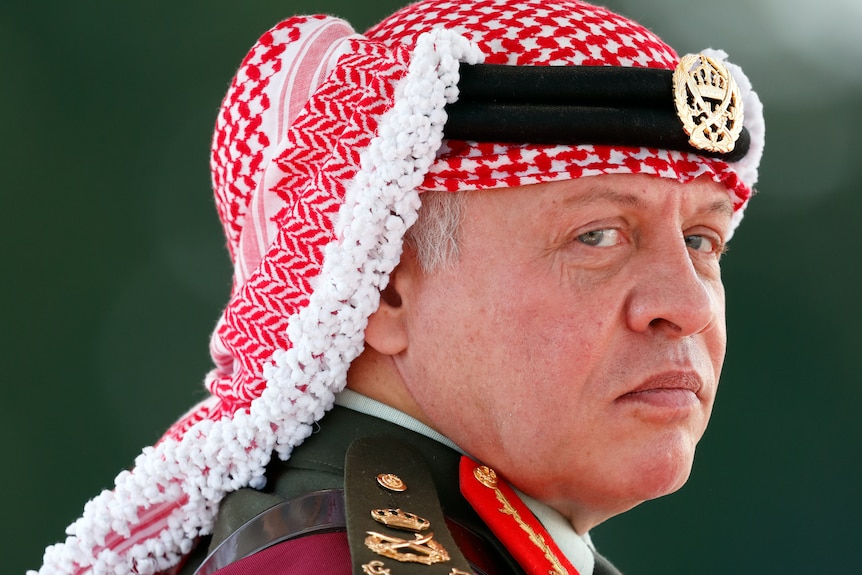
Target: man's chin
{"points": [[663, 475], [652, 477]]}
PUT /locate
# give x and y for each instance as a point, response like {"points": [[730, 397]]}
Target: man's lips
{"points": [[682, 380], [674, 389]]}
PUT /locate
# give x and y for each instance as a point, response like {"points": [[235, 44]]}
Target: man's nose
{"points": [[671, 295]]}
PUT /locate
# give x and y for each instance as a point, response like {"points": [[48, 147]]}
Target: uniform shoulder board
{"points": [[395, 523]]}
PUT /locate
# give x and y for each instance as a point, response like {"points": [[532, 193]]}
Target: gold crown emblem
{"points": [[398, 519], [711, 82], [708, 103]]}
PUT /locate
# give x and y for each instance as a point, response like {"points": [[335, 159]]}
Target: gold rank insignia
{"points": [[708, 103], [395, 523], [421, 549], [398, 519]]}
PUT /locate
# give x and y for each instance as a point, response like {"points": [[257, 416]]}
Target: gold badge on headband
{"points": [[708, 103]]}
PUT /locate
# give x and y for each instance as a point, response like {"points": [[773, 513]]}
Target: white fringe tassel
{"points": [[214, 458]]}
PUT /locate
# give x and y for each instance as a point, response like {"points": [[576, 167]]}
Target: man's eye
{"points": [[704, 244], [600, 238]]}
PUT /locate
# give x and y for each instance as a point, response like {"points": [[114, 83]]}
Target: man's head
{"points": [[562, 320], [569, 333], [323, 127]]}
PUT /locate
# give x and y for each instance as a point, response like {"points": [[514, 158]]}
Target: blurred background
{"points": [[115, 269]]}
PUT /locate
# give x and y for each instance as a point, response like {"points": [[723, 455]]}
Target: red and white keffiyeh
{"points": [[322, 146]]}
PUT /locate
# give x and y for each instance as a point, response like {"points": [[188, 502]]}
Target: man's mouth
{"points": [[668, 390]]}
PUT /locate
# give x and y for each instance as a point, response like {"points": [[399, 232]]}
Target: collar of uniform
{"points": [[364, 404], [577, 548]]}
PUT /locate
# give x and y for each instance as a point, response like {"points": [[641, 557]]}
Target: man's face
{"points": [[576, 344]]}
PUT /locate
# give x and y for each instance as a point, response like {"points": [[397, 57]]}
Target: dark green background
{"points": [[114, 271]]}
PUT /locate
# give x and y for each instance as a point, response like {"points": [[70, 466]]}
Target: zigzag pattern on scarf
{"points": [[321, 155], [336, 123]]}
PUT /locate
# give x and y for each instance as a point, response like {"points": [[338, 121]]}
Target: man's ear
{"points": [[387, 330]]}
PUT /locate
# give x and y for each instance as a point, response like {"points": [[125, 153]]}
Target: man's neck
{"points": [[577, 548]]}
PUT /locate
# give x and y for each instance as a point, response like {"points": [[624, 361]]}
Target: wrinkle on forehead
{"points": [[605, 192]]}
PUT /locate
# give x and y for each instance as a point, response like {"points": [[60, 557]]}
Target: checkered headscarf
{"points": [[322, 146]]}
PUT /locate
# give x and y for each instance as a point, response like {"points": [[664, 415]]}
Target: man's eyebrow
{"points": [[722, 207], [600, 194]]}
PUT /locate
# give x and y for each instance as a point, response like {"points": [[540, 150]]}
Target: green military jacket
{"points": [[319, 464]]}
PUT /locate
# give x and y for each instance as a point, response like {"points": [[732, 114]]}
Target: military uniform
{"points": [[318, 467]]}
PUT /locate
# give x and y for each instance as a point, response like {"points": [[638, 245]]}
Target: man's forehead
{"points": [[628, 191]]}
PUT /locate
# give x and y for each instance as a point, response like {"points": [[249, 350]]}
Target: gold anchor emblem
{"points": [[708, 103]]}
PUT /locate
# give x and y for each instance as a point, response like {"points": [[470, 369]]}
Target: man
{"points": [[555, 315]]}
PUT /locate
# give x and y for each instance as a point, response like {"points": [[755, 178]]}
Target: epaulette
{"points": [[395, 523]]}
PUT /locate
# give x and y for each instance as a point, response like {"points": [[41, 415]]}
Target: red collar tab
{"points": [[512, 521]]}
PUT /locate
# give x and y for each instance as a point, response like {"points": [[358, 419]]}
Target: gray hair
{"points": [[435, 237]]}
